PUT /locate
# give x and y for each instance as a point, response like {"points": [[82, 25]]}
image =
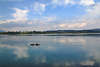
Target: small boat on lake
{"points": [[35, 44]]}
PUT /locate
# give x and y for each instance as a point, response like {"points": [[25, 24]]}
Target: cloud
{"points": [[94, 11], [19, 16], [62, 2], [87, 2], [74, 25], [44, 23], [1, 16], [92, 16], [5, 21], [73, 2], [39, 7], [48, 18]]}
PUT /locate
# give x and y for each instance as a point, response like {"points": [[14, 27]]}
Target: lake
{"points": [[53, 51]]}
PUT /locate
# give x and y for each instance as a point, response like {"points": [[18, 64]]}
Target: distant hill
{"points": [[77, 31], [96, 29]]}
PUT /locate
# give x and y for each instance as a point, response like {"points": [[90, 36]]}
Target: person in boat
{"points": [[34, 44], [37, 44]]}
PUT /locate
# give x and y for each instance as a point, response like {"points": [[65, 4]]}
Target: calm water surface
{"points": [[54, 51]]}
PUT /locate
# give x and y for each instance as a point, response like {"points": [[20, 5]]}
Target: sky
{"points": [[41, 15]]}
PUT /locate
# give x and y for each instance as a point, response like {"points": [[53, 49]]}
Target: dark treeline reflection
{"points": [[53, 51]]}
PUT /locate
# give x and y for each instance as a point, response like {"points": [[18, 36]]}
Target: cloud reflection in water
{"points": [[54, 51]]}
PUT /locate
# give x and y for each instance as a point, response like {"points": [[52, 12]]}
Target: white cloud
{"points": [[44, 23], [19, 16], [92, 16], [74, 25], [39, 7], [49, 18], [62, 2], [72, 2], [87, 2], [94, 11], [5, 21]]}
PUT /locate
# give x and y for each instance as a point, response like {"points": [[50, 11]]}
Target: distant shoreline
{"points": [[95, 32], [52, 34]]}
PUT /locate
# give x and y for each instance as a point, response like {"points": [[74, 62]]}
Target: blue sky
{"points": [[27, 15]]}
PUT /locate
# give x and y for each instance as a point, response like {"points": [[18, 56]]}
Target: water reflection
{"points": [[64, 40], [54, 51], [19, 51]]}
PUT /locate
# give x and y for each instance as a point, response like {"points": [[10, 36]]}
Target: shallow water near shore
{"points": [[53, 51]]}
